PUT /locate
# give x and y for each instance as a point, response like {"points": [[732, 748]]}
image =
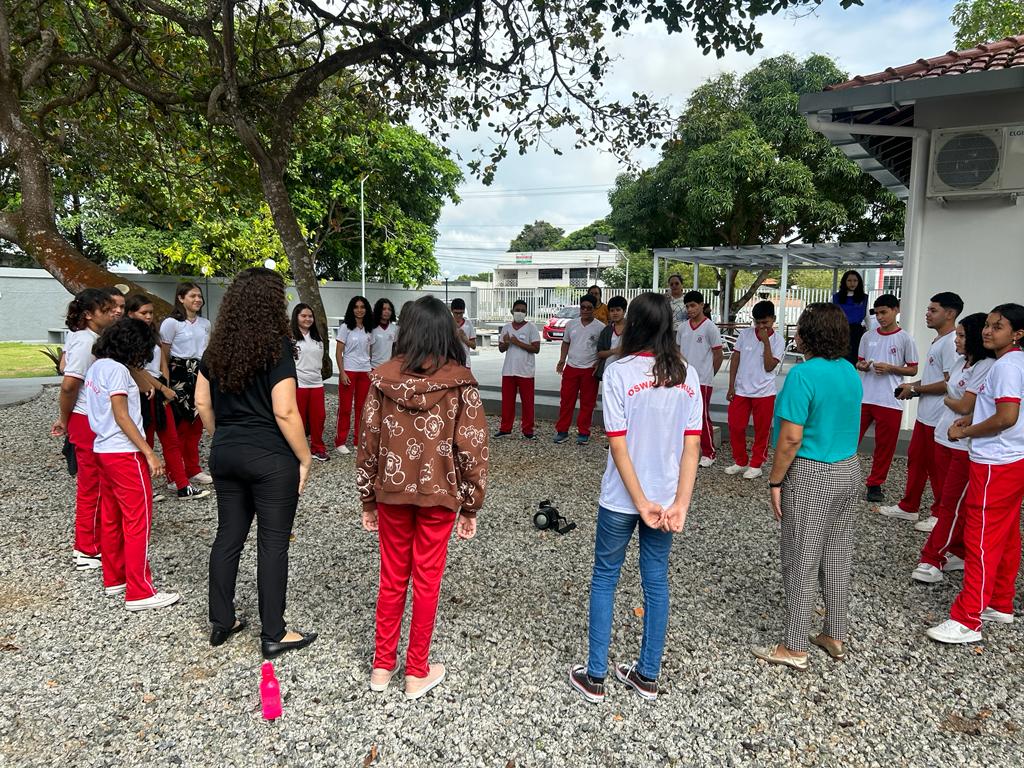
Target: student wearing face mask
{"points": [[519, 341]]}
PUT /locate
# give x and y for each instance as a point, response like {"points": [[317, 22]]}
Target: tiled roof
{"points": [[1002, 54]]}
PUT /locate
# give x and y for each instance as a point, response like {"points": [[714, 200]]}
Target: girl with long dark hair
{"points": [[352, 353], [385, 332], [87, 316], [309, 370], [853, 300], [652, 416], [245, 393], [422, 470], [183, 337]]}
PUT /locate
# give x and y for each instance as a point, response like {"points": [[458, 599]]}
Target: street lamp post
{"points": [[362, 230], [446, 278], [602, 243]]}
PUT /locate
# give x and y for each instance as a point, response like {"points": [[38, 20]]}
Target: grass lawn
{"points": [[19, 361]]}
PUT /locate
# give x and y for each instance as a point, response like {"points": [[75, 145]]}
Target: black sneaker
{"points": [[590, 689], [499, 433], [874, 493], [528, 436], [321, 456], [627, 675], [191, 492], [561, 437]]}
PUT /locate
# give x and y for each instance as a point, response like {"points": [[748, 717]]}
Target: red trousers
{"points": [[577, 383], [357, 389], [948, 534], [413, 544], [314, 414], [169, 445], [87, 493], [921, 467], [707, 430], [740, 408], [190, 432], [510, 387], [991, 540], [887, 432], [127, 511]]}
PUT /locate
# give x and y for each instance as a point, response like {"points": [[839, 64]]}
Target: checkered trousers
{"points": [[818, 502]]}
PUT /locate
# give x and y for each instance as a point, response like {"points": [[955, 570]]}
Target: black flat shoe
{"points": [[221, 636], [271, 648]]}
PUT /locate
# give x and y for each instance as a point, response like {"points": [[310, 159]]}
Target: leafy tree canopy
{"points": [[539, 236], [983, 21], [585, 238]]}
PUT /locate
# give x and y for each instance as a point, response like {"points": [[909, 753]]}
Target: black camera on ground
{"points": [[547, 517]]}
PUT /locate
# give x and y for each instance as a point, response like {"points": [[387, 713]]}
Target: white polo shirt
{"points": [[582, 341], [153, 366], [309, 366], [1004, 384], [519, 362], [698, 344], [77, 359], [357, 348], [961, 381], [188, 339], [938, 364], [383, 343], [654, 421], [752, 380], [895, 348], [108, 378], [469, 329]]}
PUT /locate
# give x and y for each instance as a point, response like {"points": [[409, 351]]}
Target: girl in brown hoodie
{"points": [[422, 470]]}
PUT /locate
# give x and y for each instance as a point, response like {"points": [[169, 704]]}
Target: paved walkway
{"points": [[18, 391]]}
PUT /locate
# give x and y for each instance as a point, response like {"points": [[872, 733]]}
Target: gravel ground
{"points": [[86, 683]]}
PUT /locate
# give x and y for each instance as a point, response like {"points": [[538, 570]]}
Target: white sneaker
{"points": [[159, 600], [752, 473], [953, 563], [927, 573], [706, 461], [996, 617], [203, 478], [158, 497], [114, 591], [734, 469], [896, 513], [343, 450], [926, 525], [84, 562], [951, 631]]}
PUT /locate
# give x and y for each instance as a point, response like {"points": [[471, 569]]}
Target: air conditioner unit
{"points": [[984, 161]]}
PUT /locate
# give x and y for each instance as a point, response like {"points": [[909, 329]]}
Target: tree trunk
{"points": [[749, 293]]}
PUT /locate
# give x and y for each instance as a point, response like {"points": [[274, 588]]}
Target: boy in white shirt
{"points": [[519, 341], [940, 316], [576, 366], [886, 355], [465, 328], [755, 358], [701, 344]]}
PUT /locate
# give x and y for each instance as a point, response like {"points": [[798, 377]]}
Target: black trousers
{"points": [[856, 331], [252, 482]]}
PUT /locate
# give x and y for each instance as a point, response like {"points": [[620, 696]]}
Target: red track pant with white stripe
{"points": [[510, 387], [707, 430], [887, 432], [87, 493], [356, 391], [991, 541], [577, 382], [169, 444], [920, 467], [740, 408], [314, 413], [127, 513], [954, 467], [190, 432]]}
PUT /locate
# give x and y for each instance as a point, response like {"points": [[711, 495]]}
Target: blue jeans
{"points": [[614, 530]]}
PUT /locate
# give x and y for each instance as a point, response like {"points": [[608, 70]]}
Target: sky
{"points": [[570, 190]]}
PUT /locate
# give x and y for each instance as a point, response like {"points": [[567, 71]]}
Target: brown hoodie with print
{"points": [[424, 440]]}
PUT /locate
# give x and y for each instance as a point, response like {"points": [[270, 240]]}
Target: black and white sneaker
{"points": [[590, 689], [191, 492], [645, 688], [84, 562]]}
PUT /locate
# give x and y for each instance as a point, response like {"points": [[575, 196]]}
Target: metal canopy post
{"points": [[727, 312], [782, 291], [696, 275], [835, 280], [657, 268]]}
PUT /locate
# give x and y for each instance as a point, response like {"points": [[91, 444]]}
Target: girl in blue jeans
{"points": [[652, 416]]}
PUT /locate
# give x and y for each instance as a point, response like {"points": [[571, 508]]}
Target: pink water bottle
{"points": [[270, 693]]}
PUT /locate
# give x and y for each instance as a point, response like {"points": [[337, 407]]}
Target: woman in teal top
{"points": [[815, 484]]}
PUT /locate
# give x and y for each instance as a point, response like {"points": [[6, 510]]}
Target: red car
{"points": [[555, 329]]}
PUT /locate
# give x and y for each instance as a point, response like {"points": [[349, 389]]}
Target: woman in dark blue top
{"points": [[853, 300]]}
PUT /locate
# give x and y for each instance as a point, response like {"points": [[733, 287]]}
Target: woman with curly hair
{"points": [[126, 464], [422, 470], [245, 393], [352, 353], [815, 483], [309, 369]]}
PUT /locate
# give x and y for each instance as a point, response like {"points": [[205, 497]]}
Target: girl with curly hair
{"points": [[309, 369], [126, 464], [422, 470], [352, 353], [245, 393], [88, 315]]}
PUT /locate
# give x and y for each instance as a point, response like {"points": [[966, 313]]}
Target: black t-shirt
{"points": [[247, 418]]}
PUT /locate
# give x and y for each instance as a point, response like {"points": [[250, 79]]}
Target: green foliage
{"points": [[479, 276], [985, 21], [585, 238], [539, 236]]}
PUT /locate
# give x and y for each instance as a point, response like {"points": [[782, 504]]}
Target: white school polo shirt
{"points": [[469, 329], [383, 343], [309, 365], [357, 348], [654, 421], [961, 380], [752, 380], [519, 362], [896, 348], [582, 341], [938, 364], [77, 359], [698, 344], [187, 339], [108, 378], [1004, 384], [153, 366]]}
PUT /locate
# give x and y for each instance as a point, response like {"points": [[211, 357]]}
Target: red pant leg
{"points": [[111, 532], [508, 403], [920, 465], [429, 553], [129, 508], [707, 430], [887, 433], [171, 447], [525, 385], [739, 416], [362, 389], [866, 417], [317, 413], [345, 395], [87, 491], [991, 541], [568, 392], [302, 404], [948, 533], [190, 432], [396, 528], [764, 409], [588, 400]]}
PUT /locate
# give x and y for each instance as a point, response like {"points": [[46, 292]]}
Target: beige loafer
{"points": [[832, 647], [417, 687], [772, 656], [380, 679]]}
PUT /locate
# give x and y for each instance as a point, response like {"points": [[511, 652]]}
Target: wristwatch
{"points": [[774, 485]]}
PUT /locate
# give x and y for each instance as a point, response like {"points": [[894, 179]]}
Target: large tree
{"points": [[983, 21], [539, 236]]}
